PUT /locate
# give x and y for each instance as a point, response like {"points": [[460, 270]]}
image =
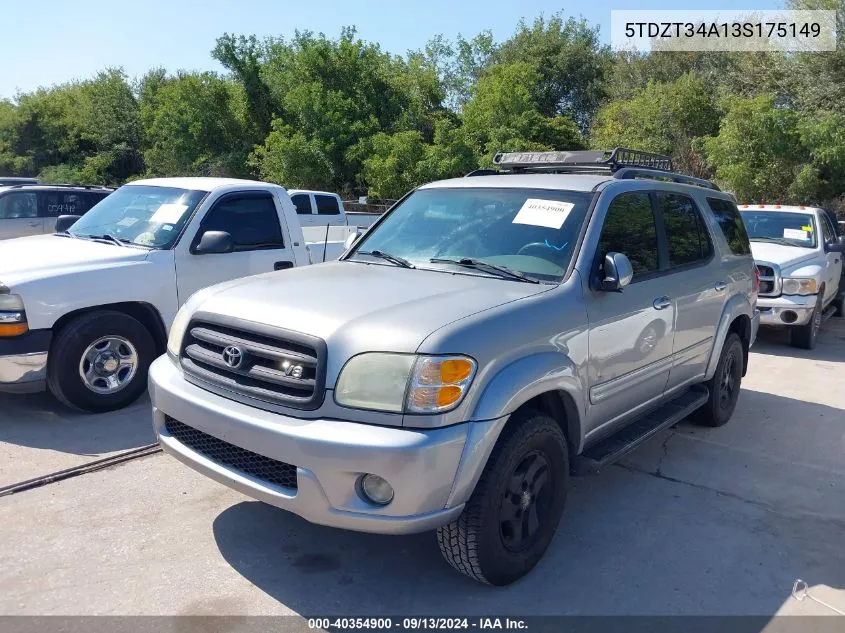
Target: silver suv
{"points": [[488, 337]]}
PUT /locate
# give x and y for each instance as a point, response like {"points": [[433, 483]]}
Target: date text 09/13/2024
{"points": [[416, 623]]}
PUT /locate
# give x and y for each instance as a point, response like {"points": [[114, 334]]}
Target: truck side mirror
{"points": [[64, 222], [618, 272], [836, 246], [350, 240], [214, 242]]}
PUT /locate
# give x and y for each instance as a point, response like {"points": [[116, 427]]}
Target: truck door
{"points": [[259, 245]]}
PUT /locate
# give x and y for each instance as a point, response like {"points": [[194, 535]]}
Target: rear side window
{"points": [[252, 222], [630, 229], [302, 202], [58, 203], [727, 215], [327, 205], [686, 236], [18, 205], [92, 199]]}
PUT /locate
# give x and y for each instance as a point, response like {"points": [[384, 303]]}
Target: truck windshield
{"points": [[781, 227], [140, 214], [530, 231]]}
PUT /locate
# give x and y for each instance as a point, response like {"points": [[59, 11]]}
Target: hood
{"points": [[26, 258], [358, 307], [781, 254]]}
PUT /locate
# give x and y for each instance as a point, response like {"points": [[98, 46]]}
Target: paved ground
{"points": [[716, 521]]}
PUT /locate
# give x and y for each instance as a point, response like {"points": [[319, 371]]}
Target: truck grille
{"points": [[769, 281], [253, 464], [272, 365]]}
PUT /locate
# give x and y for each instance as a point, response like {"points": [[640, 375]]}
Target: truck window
{"points": [[827, 230], [327, 205], [252, 221], [18, 205], [629, 228], [730, 221], [686, 234], [56, 203], [302, 202]]}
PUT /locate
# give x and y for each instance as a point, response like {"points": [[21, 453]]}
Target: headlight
{"points": [[404, 382], [12, 317], [180, 322], [799, 286]]}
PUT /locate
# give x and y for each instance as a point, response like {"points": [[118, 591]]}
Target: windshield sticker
{"points": [[127, 221], [549, 213], [169, 213], [809, 229], [795, 234]]}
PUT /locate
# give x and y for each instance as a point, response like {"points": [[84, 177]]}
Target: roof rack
{"points": [[621, 162], [55, 184]]}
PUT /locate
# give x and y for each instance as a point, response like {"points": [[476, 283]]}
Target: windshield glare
{"points": [[140, 214], [794, 229], [532, 231]]}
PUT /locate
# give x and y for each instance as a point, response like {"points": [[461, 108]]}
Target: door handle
{"points": [[283, 265], [720, 286], [661, 303]]}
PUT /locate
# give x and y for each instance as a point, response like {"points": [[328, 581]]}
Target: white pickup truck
{"points": [[84, 312], [798, 253]]}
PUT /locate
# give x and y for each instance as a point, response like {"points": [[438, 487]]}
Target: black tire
{"points": [[724, 386], [804, 336], [64, 379], [840, 309], [479, 543]]}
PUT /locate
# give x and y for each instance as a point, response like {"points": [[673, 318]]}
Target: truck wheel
{"points": [[724, 386], [804, 336], [839, 307], [513, 513], [99, 361]]}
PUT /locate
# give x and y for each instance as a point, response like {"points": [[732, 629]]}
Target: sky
{"points": [[46, 42]]}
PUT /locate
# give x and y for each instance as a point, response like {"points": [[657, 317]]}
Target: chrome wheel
{"points": [[108, 364]]}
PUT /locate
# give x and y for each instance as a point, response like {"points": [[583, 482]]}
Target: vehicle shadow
{"points": [[830, 345], [698, 522], [40, 421]]}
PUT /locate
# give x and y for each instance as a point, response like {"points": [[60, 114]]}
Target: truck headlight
{"points": [[799, 286], [404, 382], [181, 320], [12, 315]]}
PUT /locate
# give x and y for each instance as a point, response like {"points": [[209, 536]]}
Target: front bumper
{"points": [[329, 455], [23, 362], [780, 310]]}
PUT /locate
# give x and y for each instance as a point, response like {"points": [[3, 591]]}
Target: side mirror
{"points": [[837, 246], [618, 272], [350, 240], [214, 242], [64, 222]]}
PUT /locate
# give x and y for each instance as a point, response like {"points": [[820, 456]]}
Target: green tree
{"points": [[293, 160]]}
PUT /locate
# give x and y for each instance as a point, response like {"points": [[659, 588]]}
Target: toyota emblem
{"points": [[233, 356]]}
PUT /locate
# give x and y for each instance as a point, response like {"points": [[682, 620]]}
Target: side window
{"points": [[629, 228], [730, 221], [58, 203], [91, 199], [327, 205], [18, 205], [827, 230], [686, 234], [252, 221], [302, 202]]}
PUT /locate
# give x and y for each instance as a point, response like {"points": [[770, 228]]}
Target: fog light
{"points": [[788, 316], [376, 490]]}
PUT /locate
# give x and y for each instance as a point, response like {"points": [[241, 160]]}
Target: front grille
{"points": [[226, 454], [769, 282], [261, 362]]}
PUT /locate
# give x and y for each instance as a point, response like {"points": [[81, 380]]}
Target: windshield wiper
{"points": [[110, 238], [399, 261], [67, 234], [471, 262]]}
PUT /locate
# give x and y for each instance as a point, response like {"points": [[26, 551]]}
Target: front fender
{"points": [[736, 306], [527, 378]]}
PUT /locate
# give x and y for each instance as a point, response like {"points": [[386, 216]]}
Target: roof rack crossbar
{"points": [[608, 160], [630, 173], [45, 184]]}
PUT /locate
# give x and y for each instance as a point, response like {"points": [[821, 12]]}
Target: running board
{"points": [[828, 313], [626, 440]]}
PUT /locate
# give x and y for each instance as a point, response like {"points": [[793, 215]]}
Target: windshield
{"points": [[140, 214], [781, 227], [531, 231]]}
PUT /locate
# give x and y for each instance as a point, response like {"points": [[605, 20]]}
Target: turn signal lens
{"points": [[13, 329], [455, 370], [439, 383]]}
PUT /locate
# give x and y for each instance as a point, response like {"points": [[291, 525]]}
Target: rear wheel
{"points": [[804, 336], [99, 361], [513, 513], [724, 386]]}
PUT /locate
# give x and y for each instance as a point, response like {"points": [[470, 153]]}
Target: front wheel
{"points": [[724, 386], [99, 361], [512, 515], [804, 336]]}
